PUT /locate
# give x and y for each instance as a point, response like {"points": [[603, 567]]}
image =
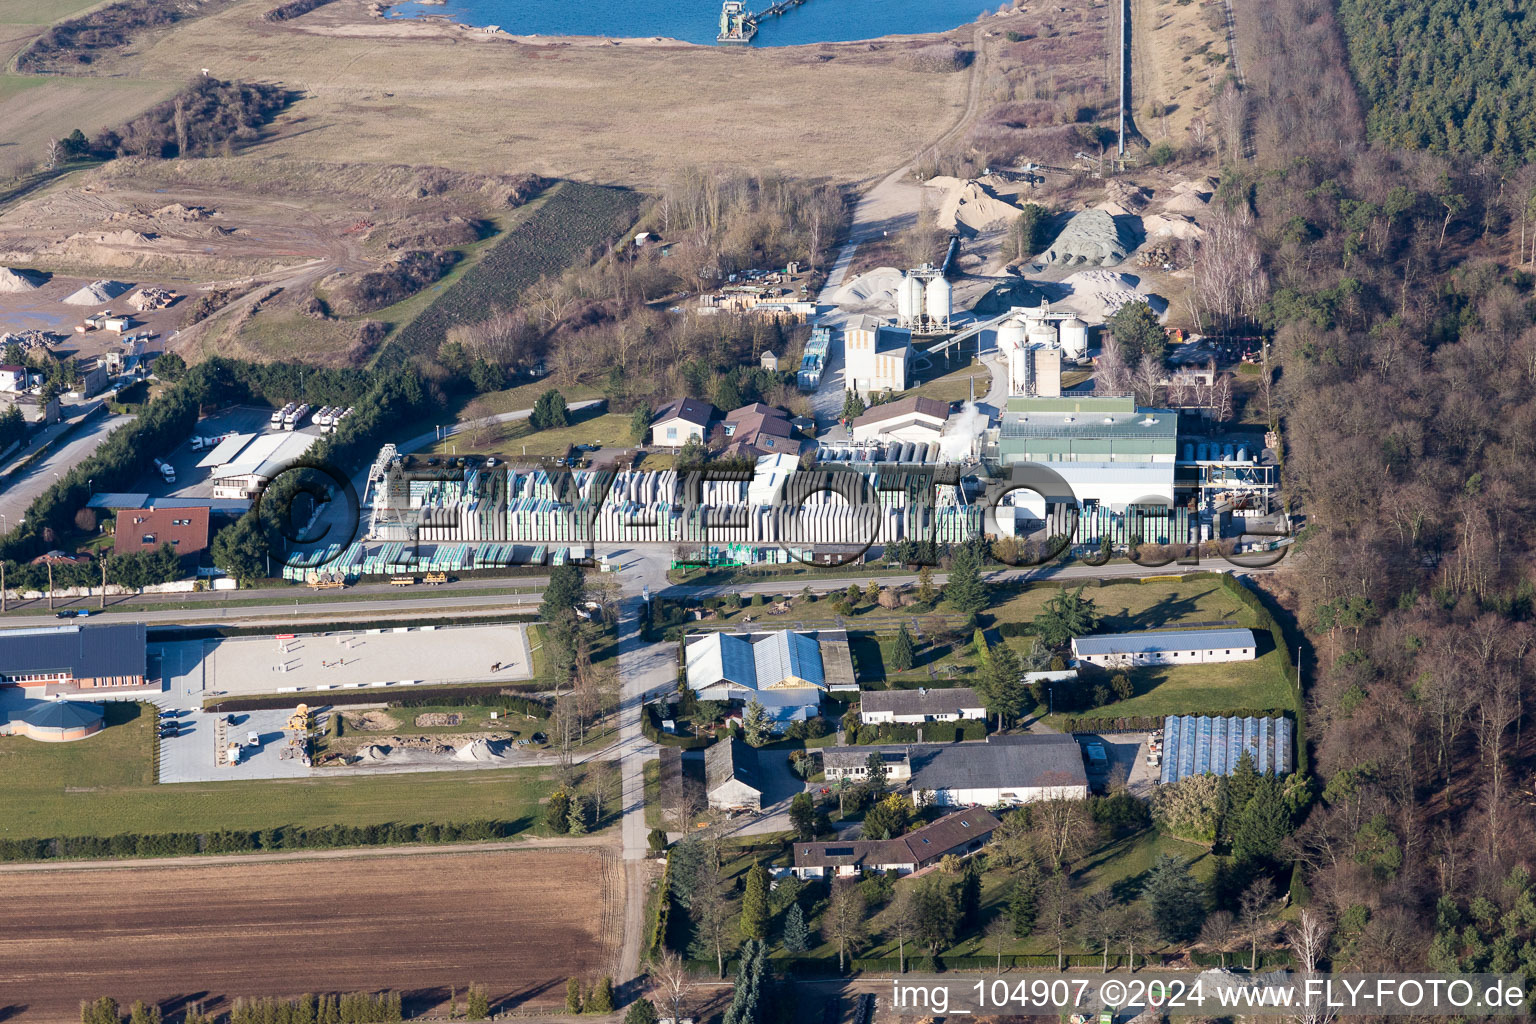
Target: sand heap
{"points": [[18, 280], [979, 208], [373, 754], [1097, 294], [1092, 237], [1172, 226], [97, 292], [480, 750], [872, 289], [176, 211]]}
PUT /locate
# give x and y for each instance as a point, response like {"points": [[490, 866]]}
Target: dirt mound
{"points": [[1093, 237], [1133, 198], [438, 718], [18, 280], [97, 292], [176, 211], [874, 288], [373, 754]]}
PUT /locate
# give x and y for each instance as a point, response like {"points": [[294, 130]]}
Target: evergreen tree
{"points": [[1243, 782], [549, 411], [1067, 615], [602, 997], [1002, 684], [796, 935], [756, 724], [1024, 900], [935, 911], [853, 406], [927, 593], [572, 996], [640, 423], [1175, 899], [875, 775], [749, 996], [1260, 826], [476, 1005], [641, 1011], [965, 591], [970, 896], [902, 653], [754, 903], [557, 813], [802, 816], [887, 819]]}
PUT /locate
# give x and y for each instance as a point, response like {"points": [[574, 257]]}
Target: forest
{"points": [[1451, 76], [1399, 290]]}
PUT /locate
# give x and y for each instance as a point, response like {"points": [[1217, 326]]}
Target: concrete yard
{"points": [[387, 658]]}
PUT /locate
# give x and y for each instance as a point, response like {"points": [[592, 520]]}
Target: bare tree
{"points": [[54, 153], [902, 916], [1217, 932], [843, 922], [1099, 922], [1058, 912], [1111, 375], [1253, 911], [670, 973], [1148, 377], [999, 934], [1136, 929], [1064, 830], [1308, 938], [1229, 281], [711, 912]]}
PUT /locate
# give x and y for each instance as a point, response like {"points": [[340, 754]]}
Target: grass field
{"points": [[518, 438], [104, 785], [35, 109]]}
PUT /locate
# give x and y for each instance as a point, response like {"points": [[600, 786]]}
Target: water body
{"points": [[697, 21]]}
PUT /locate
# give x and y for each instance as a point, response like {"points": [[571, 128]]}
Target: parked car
{"points": [[253, 739], [74, 613], [173, 713]]}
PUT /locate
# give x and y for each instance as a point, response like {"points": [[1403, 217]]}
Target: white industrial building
{"points": [[1171, 647], [249, 465], [876, 356], [1004, 771], [785, 671], [912, 419], [912, 707]]}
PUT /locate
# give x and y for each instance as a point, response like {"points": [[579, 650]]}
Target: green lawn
{"points": [[1125, 607], [652, 772], [103, 786], [1201, 689], [522, 397], [517, 439]]}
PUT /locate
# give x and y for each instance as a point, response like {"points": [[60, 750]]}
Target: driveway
{"points": [[22, 490]]}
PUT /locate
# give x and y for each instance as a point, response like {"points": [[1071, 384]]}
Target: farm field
{"points": [[35, 108], [516, 922], [104, 786]]}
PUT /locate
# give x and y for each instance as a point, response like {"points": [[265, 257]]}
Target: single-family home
{"points": [[758, 430], [961, 834], [681, 421], [925, 704], [853, 762]]}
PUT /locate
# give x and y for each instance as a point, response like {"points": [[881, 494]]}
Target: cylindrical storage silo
{"points": [[909, 299], [1074, 338], [1010, 336], [939, 297], [1041, 332], [1226, 453], [1189, 452], [1242, 453], [1018, 373], [1204, 452]]}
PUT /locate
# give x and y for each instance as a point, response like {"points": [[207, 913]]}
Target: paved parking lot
{"points": [[195, 482], [193, 754]]}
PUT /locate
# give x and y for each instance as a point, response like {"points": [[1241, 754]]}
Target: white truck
{"points": [[295, 419], [232, 753], [167, 471], [279, 415]]}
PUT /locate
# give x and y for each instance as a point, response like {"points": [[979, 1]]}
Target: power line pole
{"points": [[1125, 58]]}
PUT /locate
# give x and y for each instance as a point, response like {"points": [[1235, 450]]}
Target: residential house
{"points": [[681, 421], [184, 529], [925, 704], [13, 378], [853, 762], [757, 430], [961, 834]]}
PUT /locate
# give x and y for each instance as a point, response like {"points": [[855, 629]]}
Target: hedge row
{"points": [[659, 920], [933, 732], [285, 837], [1148, 723], [822, 966], [487, 696]]}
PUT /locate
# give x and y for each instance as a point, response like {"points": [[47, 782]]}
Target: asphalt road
{"points": [[22, 490]]}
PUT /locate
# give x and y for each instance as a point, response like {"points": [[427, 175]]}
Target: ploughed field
{"points": [[518, 923]]}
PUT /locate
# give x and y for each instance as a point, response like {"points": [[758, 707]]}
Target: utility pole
{"points": [[103, 605], [1125, 57], [50, 585]]}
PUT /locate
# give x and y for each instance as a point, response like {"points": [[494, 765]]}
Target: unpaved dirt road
{"points": [[517, 922]]}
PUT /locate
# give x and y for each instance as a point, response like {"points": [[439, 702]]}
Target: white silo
{"points": [[909, 301], [1018, 370], [1074, 338], [940, 300], [1041, 332], [1010, 335]]}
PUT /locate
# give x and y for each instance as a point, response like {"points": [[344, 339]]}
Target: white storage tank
{"points": [[909, 299], [940, 299], [1074, 338], [1041, 332], [1010, 336]]}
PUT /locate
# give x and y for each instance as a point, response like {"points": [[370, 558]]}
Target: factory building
{"points": [[910, 419], [876, 356], [254, 464], [925, 301], [1036, 343]]}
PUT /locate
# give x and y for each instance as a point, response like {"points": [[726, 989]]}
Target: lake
{"points": [[697, 21]]}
